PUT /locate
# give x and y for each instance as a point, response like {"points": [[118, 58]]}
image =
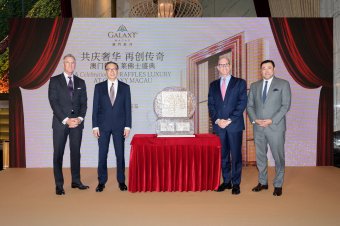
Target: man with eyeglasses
{"points": [[227, 100], [111, 116]]}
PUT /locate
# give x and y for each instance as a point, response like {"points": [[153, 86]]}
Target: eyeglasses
{"points": [[223, 65], [111, 69]]}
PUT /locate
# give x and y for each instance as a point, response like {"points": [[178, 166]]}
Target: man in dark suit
{"points": [[68, 99], [111, 117], [268, 102], [227, 100]]}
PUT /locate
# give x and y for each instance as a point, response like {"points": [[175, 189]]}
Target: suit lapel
{"points": [[119, 92], [271, 88], [105, 90], [217, 89], [231, 85], [76, 83], [259, 91]]}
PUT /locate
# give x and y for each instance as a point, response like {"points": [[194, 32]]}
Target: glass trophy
{"points": [[175, 107]]}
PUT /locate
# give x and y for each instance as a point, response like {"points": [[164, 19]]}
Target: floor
{"points": [[311, 196]]}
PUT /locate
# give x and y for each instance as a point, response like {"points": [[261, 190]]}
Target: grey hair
{"points": [[69, 55]]}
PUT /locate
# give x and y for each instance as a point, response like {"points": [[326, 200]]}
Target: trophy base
{"points": [[175, 135]]}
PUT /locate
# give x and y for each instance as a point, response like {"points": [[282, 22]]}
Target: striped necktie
{"points": [[112, 94]]}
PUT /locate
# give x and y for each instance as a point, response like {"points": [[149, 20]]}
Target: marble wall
{"points": [[331, 8], [294, 8], [231, 8], [91, 8]]}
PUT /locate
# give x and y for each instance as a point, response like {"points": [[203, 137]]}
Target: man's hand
{"points": [[263, 122], [96, 133], [126, 133], [267, 122], [73, 122], [222, 123]]}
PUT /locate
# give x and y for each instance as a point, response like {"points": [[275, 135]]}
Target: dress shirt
{"points": [[67, 79]]}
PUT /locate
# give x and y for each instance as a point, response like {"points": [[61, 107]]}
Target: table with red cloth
{"points": [[174, 163]]}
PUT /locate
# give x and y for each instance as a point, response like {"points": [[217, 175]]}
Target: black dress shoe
{"points": [[224, 186], [122, 186], [100, 187], [59, 190], [277, 191], [236, 190], [260, 187], [80, 186]]}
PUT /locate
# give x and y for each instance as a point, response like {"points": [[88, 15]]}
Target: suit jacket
{"points": [[275, 107], [62, 104], [232, 106], [108, 117]]}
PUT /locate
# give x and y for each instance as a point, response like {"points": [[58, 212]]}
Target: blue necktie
{"points": [[70, 87], [264, 94]]}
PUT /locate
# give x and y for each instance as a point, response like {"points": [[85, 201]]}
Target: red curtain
{"points": [[36, 46], [306, 47]]}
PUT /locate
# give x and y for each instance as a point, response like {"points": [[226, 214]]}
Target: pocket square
{"points": [[275, 90], [79, 88]]}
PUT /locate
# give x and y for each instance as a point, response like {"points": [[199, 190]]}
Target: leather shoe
{"points": [[100, 187], [79, 186], [277, 191], [236, 190], [223, 186], [260, 187], [122, 186], [59, 190]]}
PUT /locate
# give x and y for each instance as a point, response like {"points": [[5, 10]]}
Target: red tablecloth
{"points": [[174, 164]]}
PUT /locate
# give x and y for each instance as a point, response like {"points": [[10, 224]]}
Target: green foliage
{"points": [[10, 9], [14, 8], [31, 8], [45, 9], [4, 63]]}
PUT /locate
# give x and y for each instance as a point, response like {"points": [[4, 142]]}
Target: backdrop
{"points": [[153, 54]]}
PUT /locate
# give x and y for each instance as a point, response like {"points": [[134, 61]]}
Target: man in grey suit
{"points": [[268, 102]]}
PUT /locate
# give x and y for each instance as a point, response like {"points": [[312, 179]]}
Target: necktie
{"points": [[70, 87], [223, 88], [112, 94], [264, 94]]}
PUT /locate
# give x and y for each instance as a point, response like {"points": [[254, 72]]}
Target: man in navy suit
{"points": [[111, 117], [227, 99], [68, 99]]}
